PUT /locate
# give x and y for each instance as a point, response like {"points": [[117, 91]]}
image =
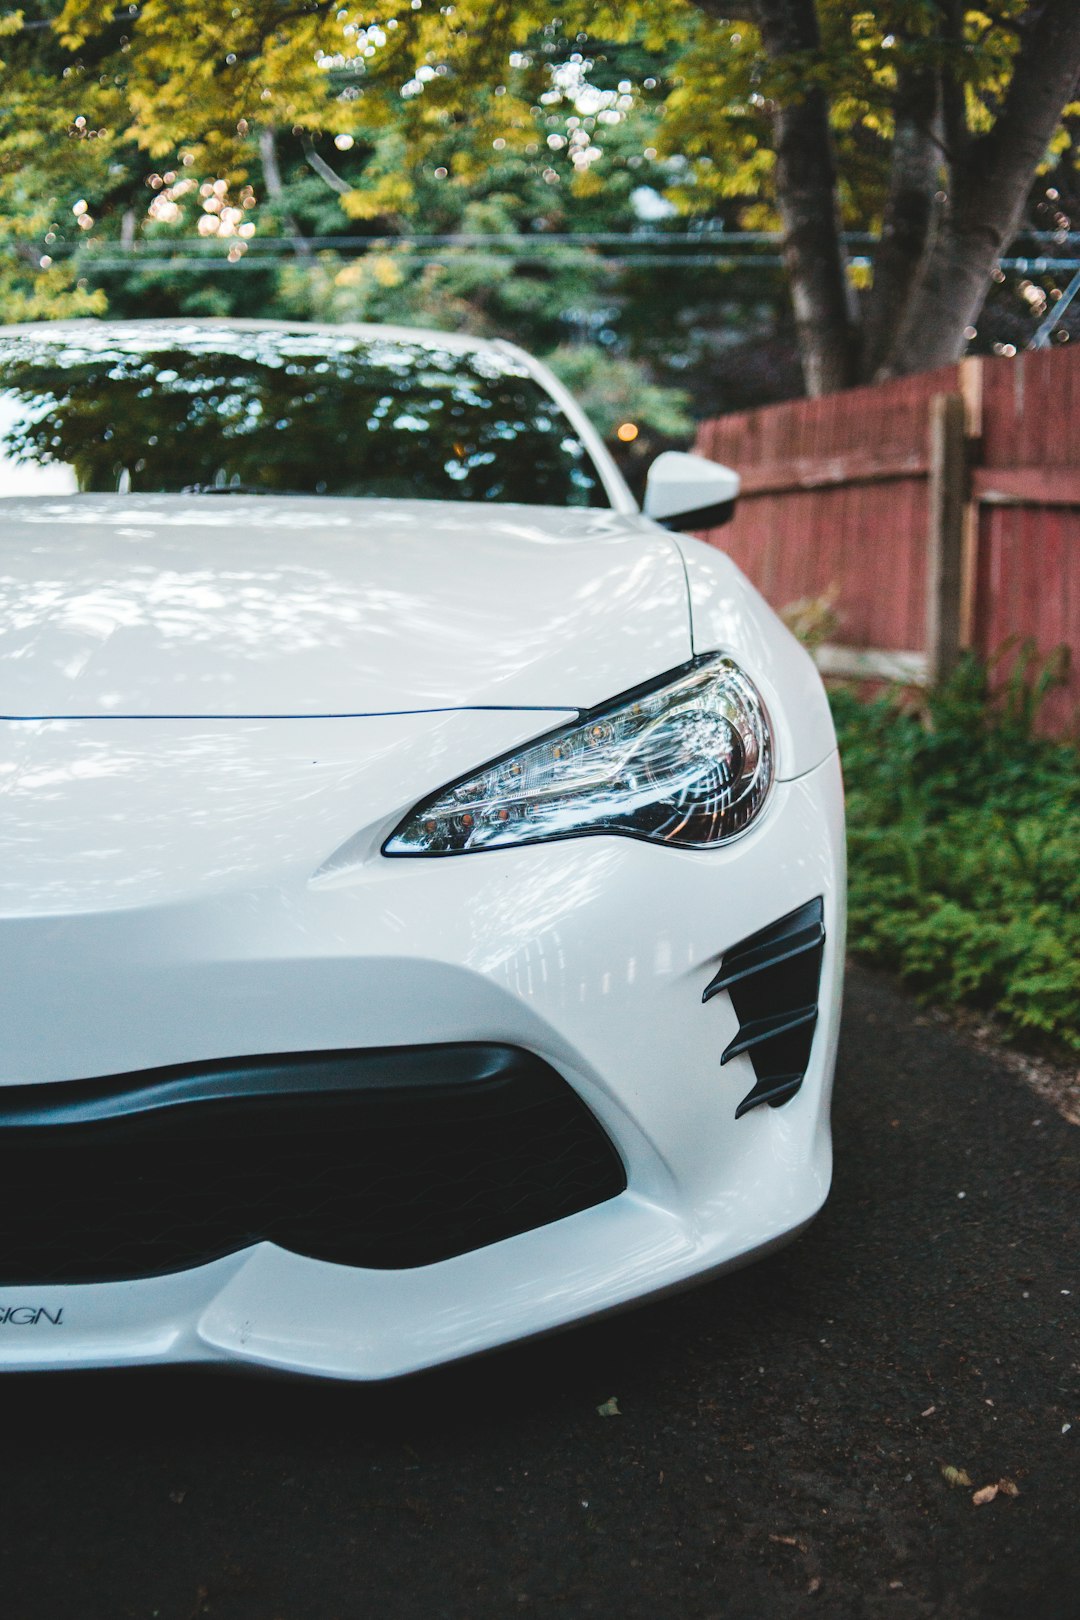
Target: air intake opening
{"points": [[387, 1158]]}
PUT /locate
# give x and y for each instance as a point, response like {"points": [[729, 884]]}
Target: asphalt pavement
{"points": [[778, 1450]]}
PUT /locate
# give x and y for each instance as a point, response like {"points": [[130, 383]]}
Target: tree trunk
{"points": [[275, 190], [813, 254], [937, 254], [806, 197], [990, 188], [910, 210]]}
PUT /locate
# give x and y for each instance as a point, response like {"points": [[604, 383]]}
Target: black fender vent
{"points": [[773, 979]]}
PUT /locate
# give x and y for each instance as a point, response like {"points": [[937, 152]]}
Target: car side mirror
{"points": [[689, 492]]}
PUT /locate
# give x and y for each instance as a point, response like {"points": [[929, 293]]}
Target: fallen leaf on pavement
{"points": [[610, 1408], [1008, 1487], [955, 1477], [987, 1494]]}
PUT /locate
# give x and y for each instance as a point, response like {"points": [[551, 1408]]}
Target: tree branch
{"points": [[990, 188], [916, 162], [325, 172], [955, 133], [1002, 164]]}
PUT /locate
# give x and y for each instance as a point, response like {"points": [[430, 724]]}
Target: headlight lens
{"points": [[688, 763]]}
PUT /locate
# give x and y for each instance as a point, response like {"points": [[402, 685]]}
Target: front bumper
{"points": [[593, 954]]}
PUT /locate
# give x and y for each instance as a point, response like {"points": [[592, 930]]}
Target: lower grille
{"points": [[389, 1158], [773, 980]]}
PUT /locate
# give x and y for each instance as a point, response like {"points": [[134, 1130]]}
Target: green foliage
{"points": [[452, 84], [29, 293], [549, 296], [32, 286], [402, 117], [432, 99], [613, 391], [964, 847]]}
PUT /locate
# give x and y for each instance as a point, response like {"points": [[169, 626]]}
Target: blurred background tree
{"points": [[602, 183]]}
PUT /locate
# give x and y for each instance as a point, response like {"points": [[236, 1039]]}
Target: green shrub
{"points": [[964, 847]]}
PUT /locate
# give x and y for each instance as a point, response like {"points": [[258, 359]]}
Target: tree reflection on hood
{"points": [[148, 407]]}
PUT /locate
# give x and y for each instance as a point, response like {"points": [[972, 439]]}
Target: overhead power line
{"points": [[281, 250], [263, 260], [638, 244]]}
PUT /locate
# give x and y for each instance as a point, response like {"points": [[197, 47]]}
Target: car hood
{"points": [[202, 606]]}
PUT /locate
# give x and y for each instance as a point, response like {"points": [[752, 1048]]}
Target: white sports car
{"points": [[422, 896]]}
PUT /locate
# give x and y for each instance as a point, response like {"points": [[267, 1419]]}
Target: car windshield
{"points": [[213, 410]]}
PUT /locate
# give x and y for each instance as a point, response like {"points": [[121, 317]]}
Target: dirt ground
{"points": [[779, 1446]]}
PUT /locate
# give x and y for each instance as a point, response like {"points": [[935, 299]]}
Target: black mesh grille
{"points": [[773, 979], [385, 1159]]}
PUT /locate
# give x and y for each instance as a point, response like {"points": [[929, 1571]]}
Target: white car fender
{"points": [[729, 615]]}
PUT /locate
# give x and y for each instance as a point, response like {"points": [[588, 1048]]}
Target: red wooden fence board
{"points": [[836, 498], [1027, 486]]}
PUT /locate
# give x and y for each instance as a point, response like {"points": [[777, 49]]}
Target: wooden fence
{"points": [[939, 511]]}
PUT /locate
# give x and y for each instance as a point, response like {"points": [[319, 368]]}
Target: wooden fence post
{"points": [[972, 375], [945, 536]]}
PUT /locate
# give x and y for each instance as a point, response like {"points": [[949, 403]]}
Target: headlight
{"points": [[686, 762]]}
